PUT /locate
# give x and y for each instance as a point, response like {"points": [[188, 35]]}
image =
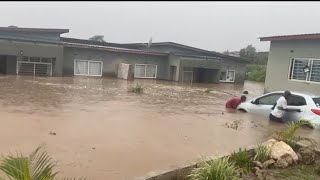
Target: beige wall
{"points": [[279, 62]]}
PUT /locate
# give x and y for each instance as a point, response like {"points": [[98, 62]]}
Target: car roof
{"points": [[297, 93]]}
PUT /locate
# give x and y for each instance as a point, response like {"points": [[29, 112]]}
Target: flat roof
{"points": [[291, 37], [114, 49], [18, 29], [192, 48]]}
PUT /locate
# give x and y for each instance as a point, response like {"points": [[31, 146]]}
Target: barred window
{"points": [[305, 69]]}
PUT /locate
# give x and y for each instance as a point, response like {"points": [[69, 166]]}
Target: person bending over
{"points": [[234, 102]]}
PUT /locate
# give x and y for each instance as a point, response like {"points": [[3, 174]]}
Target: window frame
{"points": [[226, 71], [258, 99], [293, 95], [308, 76], [88, 71], [145, 71]]}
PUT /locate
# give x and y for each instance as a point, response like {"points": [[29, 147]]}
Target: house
{"points": [[293, 63], [38, 51]]}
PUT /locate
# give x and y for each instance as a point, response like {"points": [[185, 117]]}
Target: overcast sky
{"points": [[216, 26]]}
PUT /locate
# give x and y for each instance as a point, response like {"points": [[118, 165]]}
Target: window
{"points": [[34, 66], [145, 71], [317, 101], [304, 69], [88, 68], [227, 76], [296, 101], [269, 99]]}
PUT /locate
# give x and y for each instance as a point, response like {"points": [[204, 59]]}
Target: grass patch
{"points": [[217, 169], [138, 89], [297, 172], [243, 160], [262, 153]]}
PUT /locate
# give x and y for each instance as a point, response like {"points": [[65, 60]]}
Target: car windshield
{"points": [[317, 101]]}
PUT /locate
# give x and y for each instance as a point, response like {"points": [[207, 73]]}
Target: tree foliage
{"points": [[99, 38]]}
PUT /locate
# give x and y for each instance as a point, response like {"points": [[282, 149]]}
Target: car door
{"points": [[296, 102], [263, 105]]}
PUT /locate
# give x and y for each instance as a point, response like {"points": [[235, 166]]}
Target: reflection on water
{"points": [[104, 132]]}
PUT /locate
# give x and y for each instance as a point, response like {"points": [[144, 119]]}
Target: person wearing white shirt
{"points": [[281, 107]]}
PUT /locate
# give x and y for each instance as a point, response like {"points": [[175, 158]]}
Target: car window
{"points": [[269, 99], [317, 101], [296, 101]]}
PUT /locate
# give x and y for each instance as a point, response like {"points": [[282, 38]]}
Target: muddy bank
{"points": [[104, 132]]}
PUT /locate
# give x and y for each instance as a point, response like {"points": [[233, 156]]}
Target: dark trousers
{"points": [[275, 119]]}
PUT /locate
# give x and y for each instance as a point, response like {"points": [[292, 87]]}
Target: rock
{"points": [[258, 164], [269, 143], [308, 155], [52, 133], [299, 157], [259, 173], [288, 159], [281, 150], [281, 163], [268, 163]]}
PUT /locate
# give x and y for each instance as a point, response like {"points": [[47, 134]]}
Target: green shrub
{"points": [[256, 72], [208, 90], [137, 89], [242, 159], [218, 169], [262, 153], [37, 166], [289, 136]]}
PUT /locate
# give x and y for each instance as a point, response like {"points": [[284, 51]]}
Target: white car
{"points": [[308, 104]]}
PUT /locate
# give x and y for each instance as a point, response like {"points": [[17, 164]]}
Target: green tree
{"points": [[248, 52], [99, 38]]}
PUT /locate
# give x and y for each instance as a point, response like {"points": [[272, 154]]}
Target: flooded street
{"points": [[104, 132]]}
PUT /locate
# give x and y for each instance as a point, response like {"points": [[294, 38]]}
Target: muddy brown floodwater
{"points": [[104, 132]]}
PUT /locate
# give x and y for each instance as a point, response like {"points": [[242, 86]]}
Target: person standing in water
{"points": [[280, 108]]}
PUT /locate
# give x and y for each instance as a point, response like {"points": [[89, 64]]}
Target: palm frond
{"points": [[41, 165], [15, 167], [38, 166], [288, 136]]}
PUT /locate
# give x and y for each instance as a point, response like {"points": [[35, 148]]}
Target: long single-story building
{"points": [[293, 63], [37, 51]]}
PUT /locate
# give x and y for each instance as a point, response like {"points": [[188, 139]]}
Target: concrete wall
{"points": [[34, 50], [279, 61], [174, 61], [238, 66], [112, 59], [11, 65]]}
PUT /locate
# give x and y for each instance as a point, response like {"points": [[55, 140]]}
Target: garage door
{"points": [[145, 71], [88, 68], [34, 66]]}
